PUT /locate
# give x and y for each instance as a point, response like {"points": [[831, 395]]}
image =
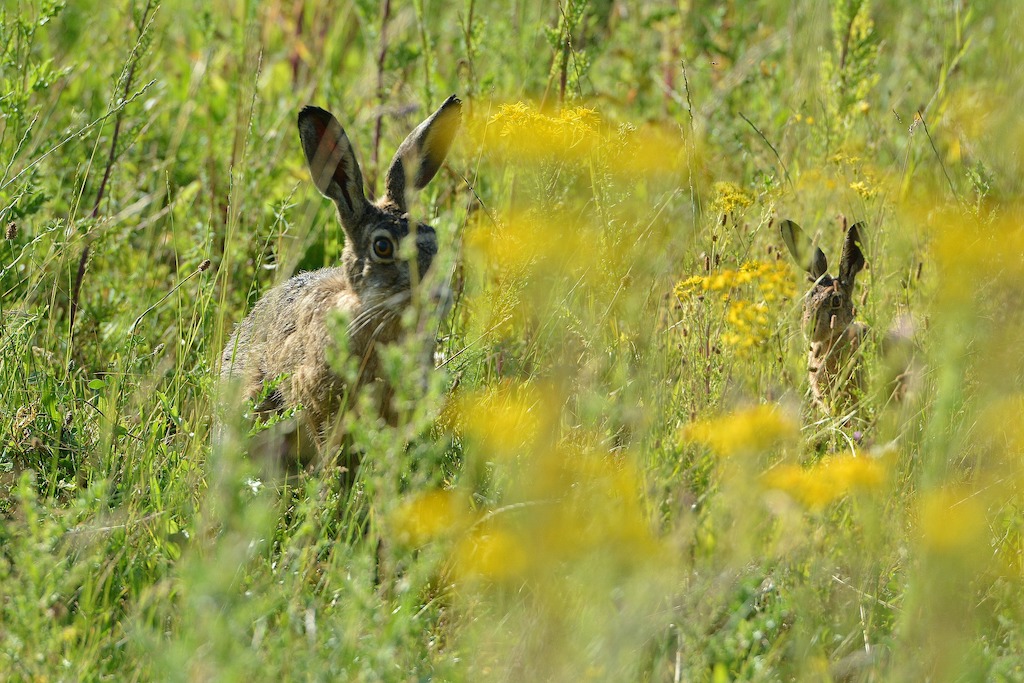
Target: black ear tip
{"points": [[313, 112], [453, 102]]}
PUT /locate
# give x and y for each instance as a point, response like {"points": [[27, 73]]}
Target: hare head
{"points": [[828, 307], [375, 258], [282, 350]]}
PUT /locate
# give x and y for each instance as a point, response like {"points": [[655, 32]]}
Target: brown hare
{"points": [[835, 337], [282, 352]]}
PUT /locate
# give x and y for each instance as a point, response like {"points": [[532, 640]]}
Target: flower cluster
{"points": [[556, 499], [748, 324], [746, 432], [575, 504], [829, 480], [772, 281], [730, 198], [951, 521], [747, 318], [525, 130]]}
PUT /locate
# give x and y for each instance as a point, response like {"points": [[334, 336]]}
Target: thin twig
{"points": [[569, 50], [771, 147], [17, 150], [145, 20], [876, 600], [77, 134], [694, 198], [938, 158], [202, 267], [382, 54]]}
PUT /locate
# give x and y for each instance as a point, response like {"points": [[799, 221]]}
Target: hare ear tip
{"points": [[313, 110]]}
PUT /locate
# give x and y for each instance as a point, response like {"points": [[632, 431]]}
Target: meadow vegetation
{"points": [[614, 472]]}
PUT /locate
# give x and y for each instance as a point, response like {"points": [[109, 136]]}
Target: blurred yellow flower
{"points": [[597, 507], [746, 432], [428, 516], [648, 150], [951, 520], [827, 481], [490, 553], [503, 422], [557, 243], [520, 130], [572, 504], [971, 253], [1000, 424]]}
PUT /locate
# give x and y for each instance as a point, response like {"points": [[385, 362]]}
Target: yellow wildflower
{"points": [[428, 516], [746, 432], [827, 481], [729, 198], [526, 242], [748, 320], [951, 520], [490, 553], [863, 189], [505, 421], [525, 131]]}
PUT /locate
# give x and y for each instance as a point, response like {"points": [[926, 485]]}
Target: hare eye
{"points": [[836, 301], [384, 248]]}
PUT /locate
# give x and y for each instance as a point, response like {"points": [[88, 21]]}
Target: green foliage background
{"points": [[153, 187]]}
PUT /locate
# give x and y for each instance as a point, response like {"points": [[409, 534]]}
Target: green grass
{"points": [[610, 475]]}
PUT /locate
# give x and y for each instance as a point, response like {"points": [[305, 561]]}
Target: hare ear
{"points": [[421, 155], [799, 245], [332, 163], [853, 258]]}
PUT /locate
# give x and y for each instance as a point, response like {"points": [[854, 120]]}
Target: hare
{"points": [[281, 351], [835, 337]]}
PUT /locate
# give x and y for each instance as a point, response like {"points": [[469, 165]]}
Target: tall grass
{"points": [[614, 472]]}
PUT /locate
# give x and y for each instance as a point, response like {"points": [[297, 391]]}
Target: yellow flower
{"points": [[572, 505], [1001, 425], [525, 242], [747, 432], [428, 516], [729, 198], [521, 131], [951, 520], [490, 553], [969, 253], [863, 189], [525, 131], [747, 317], [827, 481], [505, 421]]}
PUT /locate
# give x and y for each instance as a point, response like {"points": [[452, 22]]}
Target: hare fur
{"points": [[835, 337], [288, 338]]}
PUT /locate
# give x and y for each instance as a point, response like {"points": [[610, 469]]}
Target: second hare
{"points": [[282, 351], [835, 337]]}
